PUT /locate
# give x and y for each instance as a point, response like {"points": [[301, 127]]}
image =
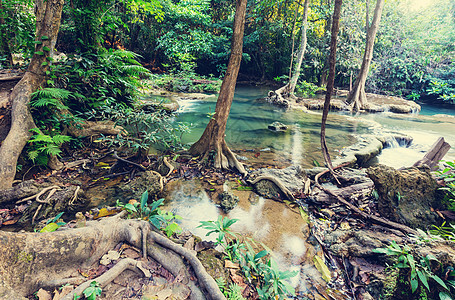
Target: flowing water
{"points": [[273, 223]]}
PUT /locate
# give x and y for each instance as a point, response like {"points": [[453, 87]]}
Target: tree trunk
{"points": [[331, 79], [302, 49], [288, 90], [48, 16], [212, 140], [357, 96]]}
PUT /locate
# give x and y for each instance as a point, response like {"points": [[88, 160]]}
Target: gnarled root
{"points": [[29, 261]]}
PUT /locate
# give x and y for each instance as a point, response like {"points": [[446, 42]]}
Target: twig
{"points": [[128, 162], [74, 198]]}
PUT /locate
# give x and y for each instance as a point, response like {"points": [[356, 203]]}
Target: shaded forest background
{"points": [[413, 52]]}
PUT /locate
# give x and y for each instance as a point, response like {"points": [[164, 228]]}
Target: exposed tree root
{"points": [[167, 164], [285, 191], [373, 218], [109, 276], [29, 261], [36, 197]]}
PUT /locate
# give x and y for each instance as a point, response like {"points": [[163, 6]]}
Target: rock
{"points": [[293, 178], [367, 148], [228, 201], [277, 126], [150, 181], [358, 242], [406, 196]]}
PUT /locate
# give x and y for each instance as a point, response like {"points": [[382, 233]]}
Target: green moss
{"points": [[25, 257]]}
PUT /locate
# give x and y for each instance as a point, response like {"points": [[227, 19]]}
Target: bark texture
{"points": [[48, 16], [357, 96], [331, 79], [30, 261], [212, 140]]}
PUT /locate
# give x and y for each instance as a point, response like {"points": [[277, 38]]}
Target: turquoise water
{"points": [[249, 118]]}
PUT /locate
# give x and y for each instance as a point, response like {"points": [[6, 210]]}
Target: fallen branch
{"points": [[128, 162], [434, 155], [373, 218]]}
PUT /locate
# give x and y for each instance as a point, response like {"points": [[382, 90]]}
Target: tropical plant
{"points": [[448, 176], [92, 291], [259, 268], [421, 270], [163, 220]]}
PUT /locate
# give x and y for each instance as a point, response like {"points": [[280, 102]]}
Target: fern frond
{"points": [[51, 93], [50, 149], [32, 155], [60, 139], [134, 70], [40, 138]]}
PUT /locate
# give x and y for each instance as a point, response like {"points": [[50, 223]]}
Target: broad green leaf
{"points": [[130, 207], [440, 281], [44, 37], [50, 227], [423, 279], [46, 48], [445, 296], [144, 198], [414, 284]]}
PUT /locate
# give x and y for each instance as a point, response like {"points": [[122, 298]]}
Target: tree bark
{"points": [[29, 261], [48, 16], [212, 140], [288, 90], [357, 96], [331, 80]]}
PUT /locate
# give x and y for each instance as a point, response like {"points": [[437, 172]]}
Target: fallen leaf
{"points": [[322, 268], [230, 265], [10, 222], [43, 295], [65, 290]]}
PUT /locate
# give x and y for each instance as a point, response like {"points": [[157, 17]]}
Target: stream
{"points": [[272, 223]]}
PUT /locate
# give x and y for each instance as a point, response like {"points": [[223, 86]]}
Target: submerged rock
{"points": [[406, 196], [277, 126], [228, 201]]}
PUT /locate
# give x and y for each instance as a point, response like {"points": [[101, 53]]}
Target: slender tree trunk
{"points": [[287, 90], [331, 79], [212, 140], [357, 96], [48, 16], [293, 38], [4, 39], [302, 49]]}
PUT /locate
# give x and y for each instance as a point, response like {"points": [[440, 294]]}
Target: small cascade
{"points": [[391, 142]]}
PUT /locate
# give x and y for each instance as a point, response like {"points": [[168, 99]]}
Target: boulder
{"points": [[293, 178], [358, 242], [277, 126], [406, 196], [150, 181]]}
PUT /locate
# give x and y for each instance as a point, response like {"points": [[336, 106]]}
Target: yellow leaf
{"points": [[322, 268], [102, 164]]}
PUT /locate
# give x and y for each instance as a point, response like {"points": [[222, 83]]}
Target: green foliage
{"points": [[92, 291], [446, 232], [41, 146], [52, 224], [18, 31], [163, 220], [448, 176], [421, 271], [233, 292], [145, 128], [259, 268], [307, 89]]}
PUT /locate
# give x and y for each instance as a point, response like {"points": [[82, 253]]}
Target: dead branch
{"points": [[364, 215], [128, 162]]}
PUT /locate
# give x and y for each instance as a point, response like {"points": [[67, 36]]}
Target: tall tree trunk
{"points": [[212, 140], [331, 79], [293, 38], [357, 97], [4, 38], [48, 16], [288, 89]]}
